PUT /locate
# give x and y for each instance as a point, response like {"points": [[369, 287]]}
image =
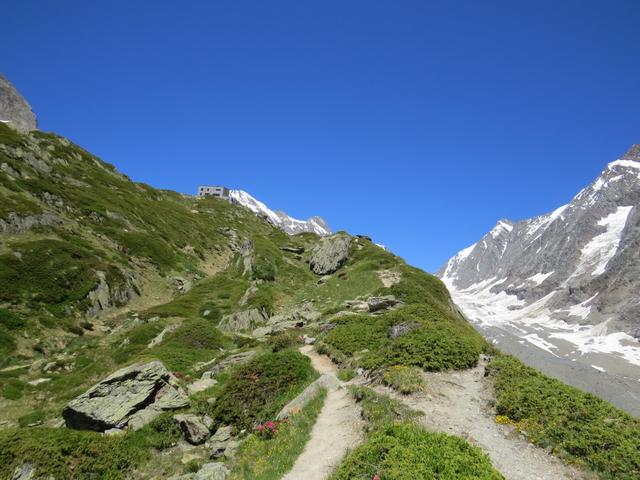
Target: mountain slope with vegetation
{"points": [[100, 274]]}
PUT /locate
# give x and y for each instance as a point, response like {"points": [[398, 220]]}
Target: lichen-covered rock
{"points": [[14, 109], [212, 471], [330, 254], [193, 428], [105, 296], [20, 224], [239, 321], [131, 397], [385, 302], [402, 329], [217, 367]]}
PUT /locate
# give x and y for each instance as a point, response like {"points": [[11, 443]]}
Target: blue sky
{"points": [[418, 123]]}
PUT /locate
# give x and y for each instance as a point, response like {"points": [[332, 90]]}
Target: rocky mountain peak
{"points": [[633, 153], [279, 218], [14, 109]]}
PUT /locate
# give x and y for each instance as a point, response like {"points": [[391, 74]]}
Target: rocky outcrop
{"points": [[292, 249], [239, 321], [130, 397], [105, 296], [20, 224], [246, 256], [194, 428], [220, 442], [215, 367], [372, 304], [330, 254], [298, 316], [375, 304], [14, 109]]}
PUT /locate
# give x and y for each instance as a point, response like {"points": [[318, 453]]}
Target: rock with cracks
{"points": [[194, 430], [239, 321], [130, 397], [330, 254]]}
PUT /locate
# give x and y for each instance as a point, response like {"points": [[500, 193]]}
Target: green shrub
{"points": [[161, 433], [404, 379], [49, 272], [256, 391], [346, 374], [264, 271], [10, 320], [64, 453], [194, 341], [270, 459], [574, 424], [32, 418], [13, 389], [7, 345], [285, 340], [379, 410], [438, 342], [407, 452]]}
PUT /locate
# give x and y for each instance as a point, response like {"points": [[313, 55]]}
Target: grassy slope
{"points": [[576, 425]]}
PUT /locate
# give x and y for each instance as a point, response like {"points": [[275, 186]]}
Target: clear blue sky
{"points": [[419, 123]]}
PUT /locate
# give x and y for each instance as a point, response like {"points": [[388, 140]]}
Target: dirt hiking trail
{"points": [[338, 428], [458, 403]]}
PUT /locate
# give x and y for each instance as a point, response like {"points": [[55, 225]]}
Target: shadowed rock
{"points": [[132, 397]]}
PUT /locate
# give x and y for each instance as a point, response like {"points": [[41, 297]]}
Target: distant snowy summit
{"points": [[572, 275], [279, 218]]}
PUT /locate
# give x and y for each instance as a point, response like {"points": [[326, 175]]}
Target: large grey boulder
{"points": [[131, 397], [330, 254], [239, 321], [193, 428], [14, 109]]}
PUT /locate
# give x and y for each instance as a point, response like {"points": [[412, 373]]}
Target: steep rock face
{"points": [[14, 108], [279, 218], [574, 272], [132, 397], [330, 254]]}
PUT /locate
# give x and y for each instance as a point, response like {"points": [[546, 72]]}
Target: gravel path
{"points": [[457, 403], [337, 430]]}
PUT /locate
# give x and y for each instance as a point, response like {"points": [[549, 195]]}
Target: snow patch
{"points": [[539, 278], [596, 254]]}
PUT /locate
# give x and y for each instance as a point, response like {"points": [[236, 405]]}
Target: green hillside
{"points": [[98, 272]]}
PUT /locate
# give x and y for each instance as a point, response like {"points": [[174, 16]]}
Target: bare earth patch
{"points": [[389, 277]]}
